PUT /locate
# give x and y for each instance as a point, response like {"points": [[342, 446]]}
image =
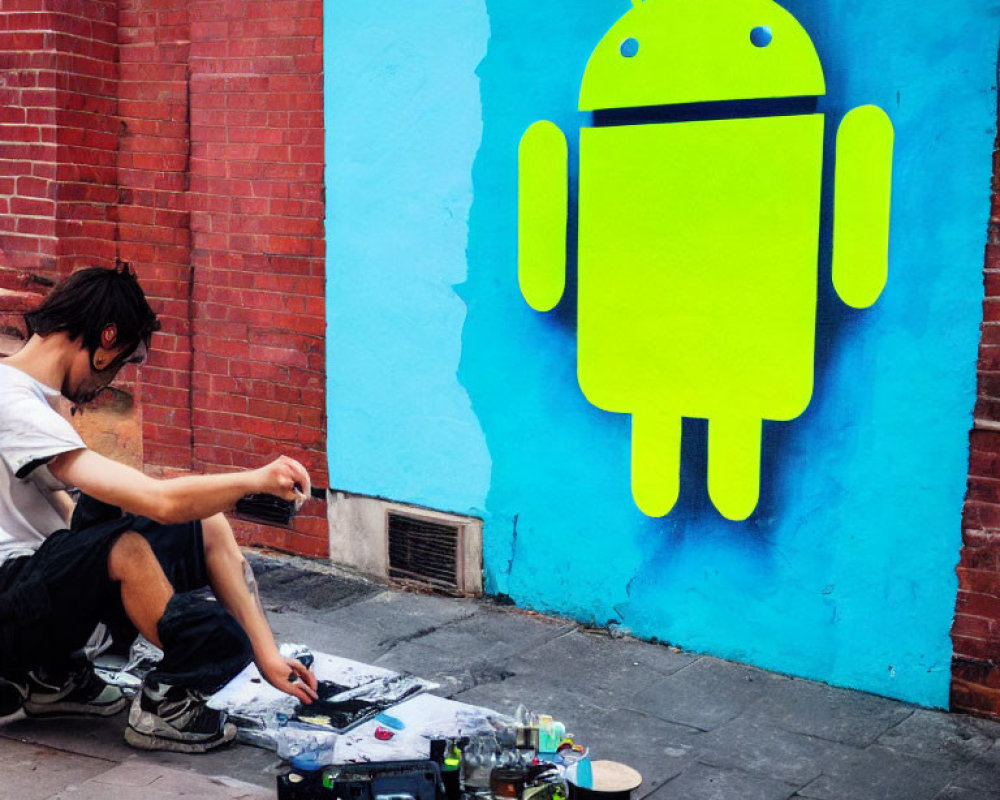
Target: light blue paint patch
{"points": [[846, 571], [557, 536], [403, 125]]}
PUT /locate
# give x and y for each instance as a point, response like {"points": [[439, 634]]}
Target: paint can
{"points": [[507, 783], [609, 780], [527, 737]]}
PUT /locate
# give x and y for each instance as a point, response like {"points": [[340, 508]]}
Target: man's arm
{"points": [[170, 500], [234, 585], [63, 504]]}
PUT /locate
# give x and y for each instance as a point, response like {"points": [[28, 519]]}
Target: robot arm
{"points": [[541, 215], [861, 205]]}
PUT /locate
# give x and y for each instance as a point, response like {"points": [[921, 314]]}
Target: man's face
{"points": [[89, 375]]}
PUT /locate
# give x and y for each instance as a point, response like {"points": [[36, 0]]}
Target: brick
{"points": [[254, 449], [989, 358], [989, 384], [168, 432], [157, 453], [976, 671], [251, 535], [33, 207], [974, 539], [29, 186], [984, 557], [976, 648], [987, 409], [991, 276], [977, 605], [231, 403], [973, 627], [991, 333], [983, 489], [165, 396], [278, 412], [310, 546], [312, 522], [215, 456], [974, 698]]}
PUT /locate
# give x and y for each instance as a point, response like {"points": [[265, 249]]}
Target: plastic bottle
{"points": [[451, 773], [307, 749]]}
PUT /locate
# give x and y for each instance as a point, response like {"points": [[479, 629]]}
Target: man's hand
{"points": [[286, 478], [290, 676]]}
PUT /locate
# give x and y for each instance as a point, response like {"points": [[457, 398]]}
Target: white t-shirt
{"points": [[31, 433]]}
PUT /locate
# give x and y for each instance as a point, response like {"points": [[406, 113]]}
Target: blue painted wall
{"points": [[403, 122], [446, 390]]}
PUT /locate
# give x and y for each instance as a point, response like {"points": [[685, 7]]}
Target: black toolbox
{"points": [[374, 780]]}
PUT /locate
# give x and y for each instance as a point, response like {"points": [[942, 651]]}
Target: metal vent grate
{"points": [[423, 551]]}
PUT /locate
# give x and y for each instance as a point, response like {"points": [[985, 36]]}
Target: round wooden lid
{"points": [[610, 776]]}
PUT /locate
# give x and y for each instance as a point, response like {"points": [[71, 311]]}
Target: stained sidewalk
{"points": [[696, 727]]}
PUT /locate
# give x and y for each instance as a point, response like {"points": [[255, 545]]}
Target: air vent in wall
{"points": [[423, 551]]}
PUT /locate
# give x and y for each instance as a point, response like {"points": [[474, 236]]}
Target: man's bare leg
{"points": [[145, 589], [164, 715]]}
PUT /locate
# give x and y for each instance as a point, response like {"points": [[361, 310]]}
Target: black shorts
{"points": [[51, 601]]}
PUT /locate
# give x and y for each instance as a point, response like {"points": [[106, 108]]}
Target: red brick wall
{"points": [[256, 195], [28, 154], [153, 211], [976, 630], [185, 137], [85, 77], [57, 161]]}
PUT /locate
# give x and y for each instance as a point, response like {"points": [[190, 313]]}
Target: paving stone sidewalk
{"points": [[696, 727]]}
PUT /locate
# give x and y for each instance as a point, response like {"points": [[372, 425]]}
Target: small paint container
{"points": [[609, 780], [507, 783]]}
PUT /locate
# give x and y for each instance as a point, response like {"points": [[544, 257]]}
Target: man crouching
{"points": [[134, 551]]}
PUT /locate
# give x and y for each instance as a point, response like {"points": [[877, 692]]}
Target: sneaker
{"points": [[12, 694], [174, 718], [81, 694]]}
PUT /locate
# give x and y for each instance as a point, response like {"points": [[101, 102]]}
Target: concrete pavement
{"points": [[696, 727]]}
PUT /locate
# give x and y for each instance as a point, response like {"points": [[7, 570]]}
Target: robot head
{"points": [[663, 52]]}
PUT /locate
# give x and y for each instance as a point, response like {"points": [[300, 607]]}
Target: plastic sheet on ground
{"points": [[425, 717], [264, 716], [127, 672]]}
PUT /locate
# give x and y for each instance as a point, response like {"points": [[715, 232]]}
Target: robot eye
{"points": [[761, 36], [629, 47]]}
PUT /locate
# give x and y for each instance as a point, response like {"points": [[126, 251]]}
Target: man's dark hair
{"points": [[86, 302]]}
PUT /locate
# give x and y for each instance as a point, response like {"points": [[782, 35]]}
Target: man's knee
{"points": [[203, 644], [129, 553]]}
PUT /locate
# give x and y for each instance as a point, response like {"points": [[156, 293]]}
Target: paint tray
{"points": [[335, 712], [339, 716], [266, 508]]}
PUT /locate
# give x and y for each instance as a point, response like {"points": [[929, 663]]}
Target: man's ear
{"points": [[100, 359], [103, 355]]}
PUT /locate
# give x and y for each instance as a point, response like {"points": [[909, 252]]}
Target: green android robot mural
{"points": [[698, 239]]}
